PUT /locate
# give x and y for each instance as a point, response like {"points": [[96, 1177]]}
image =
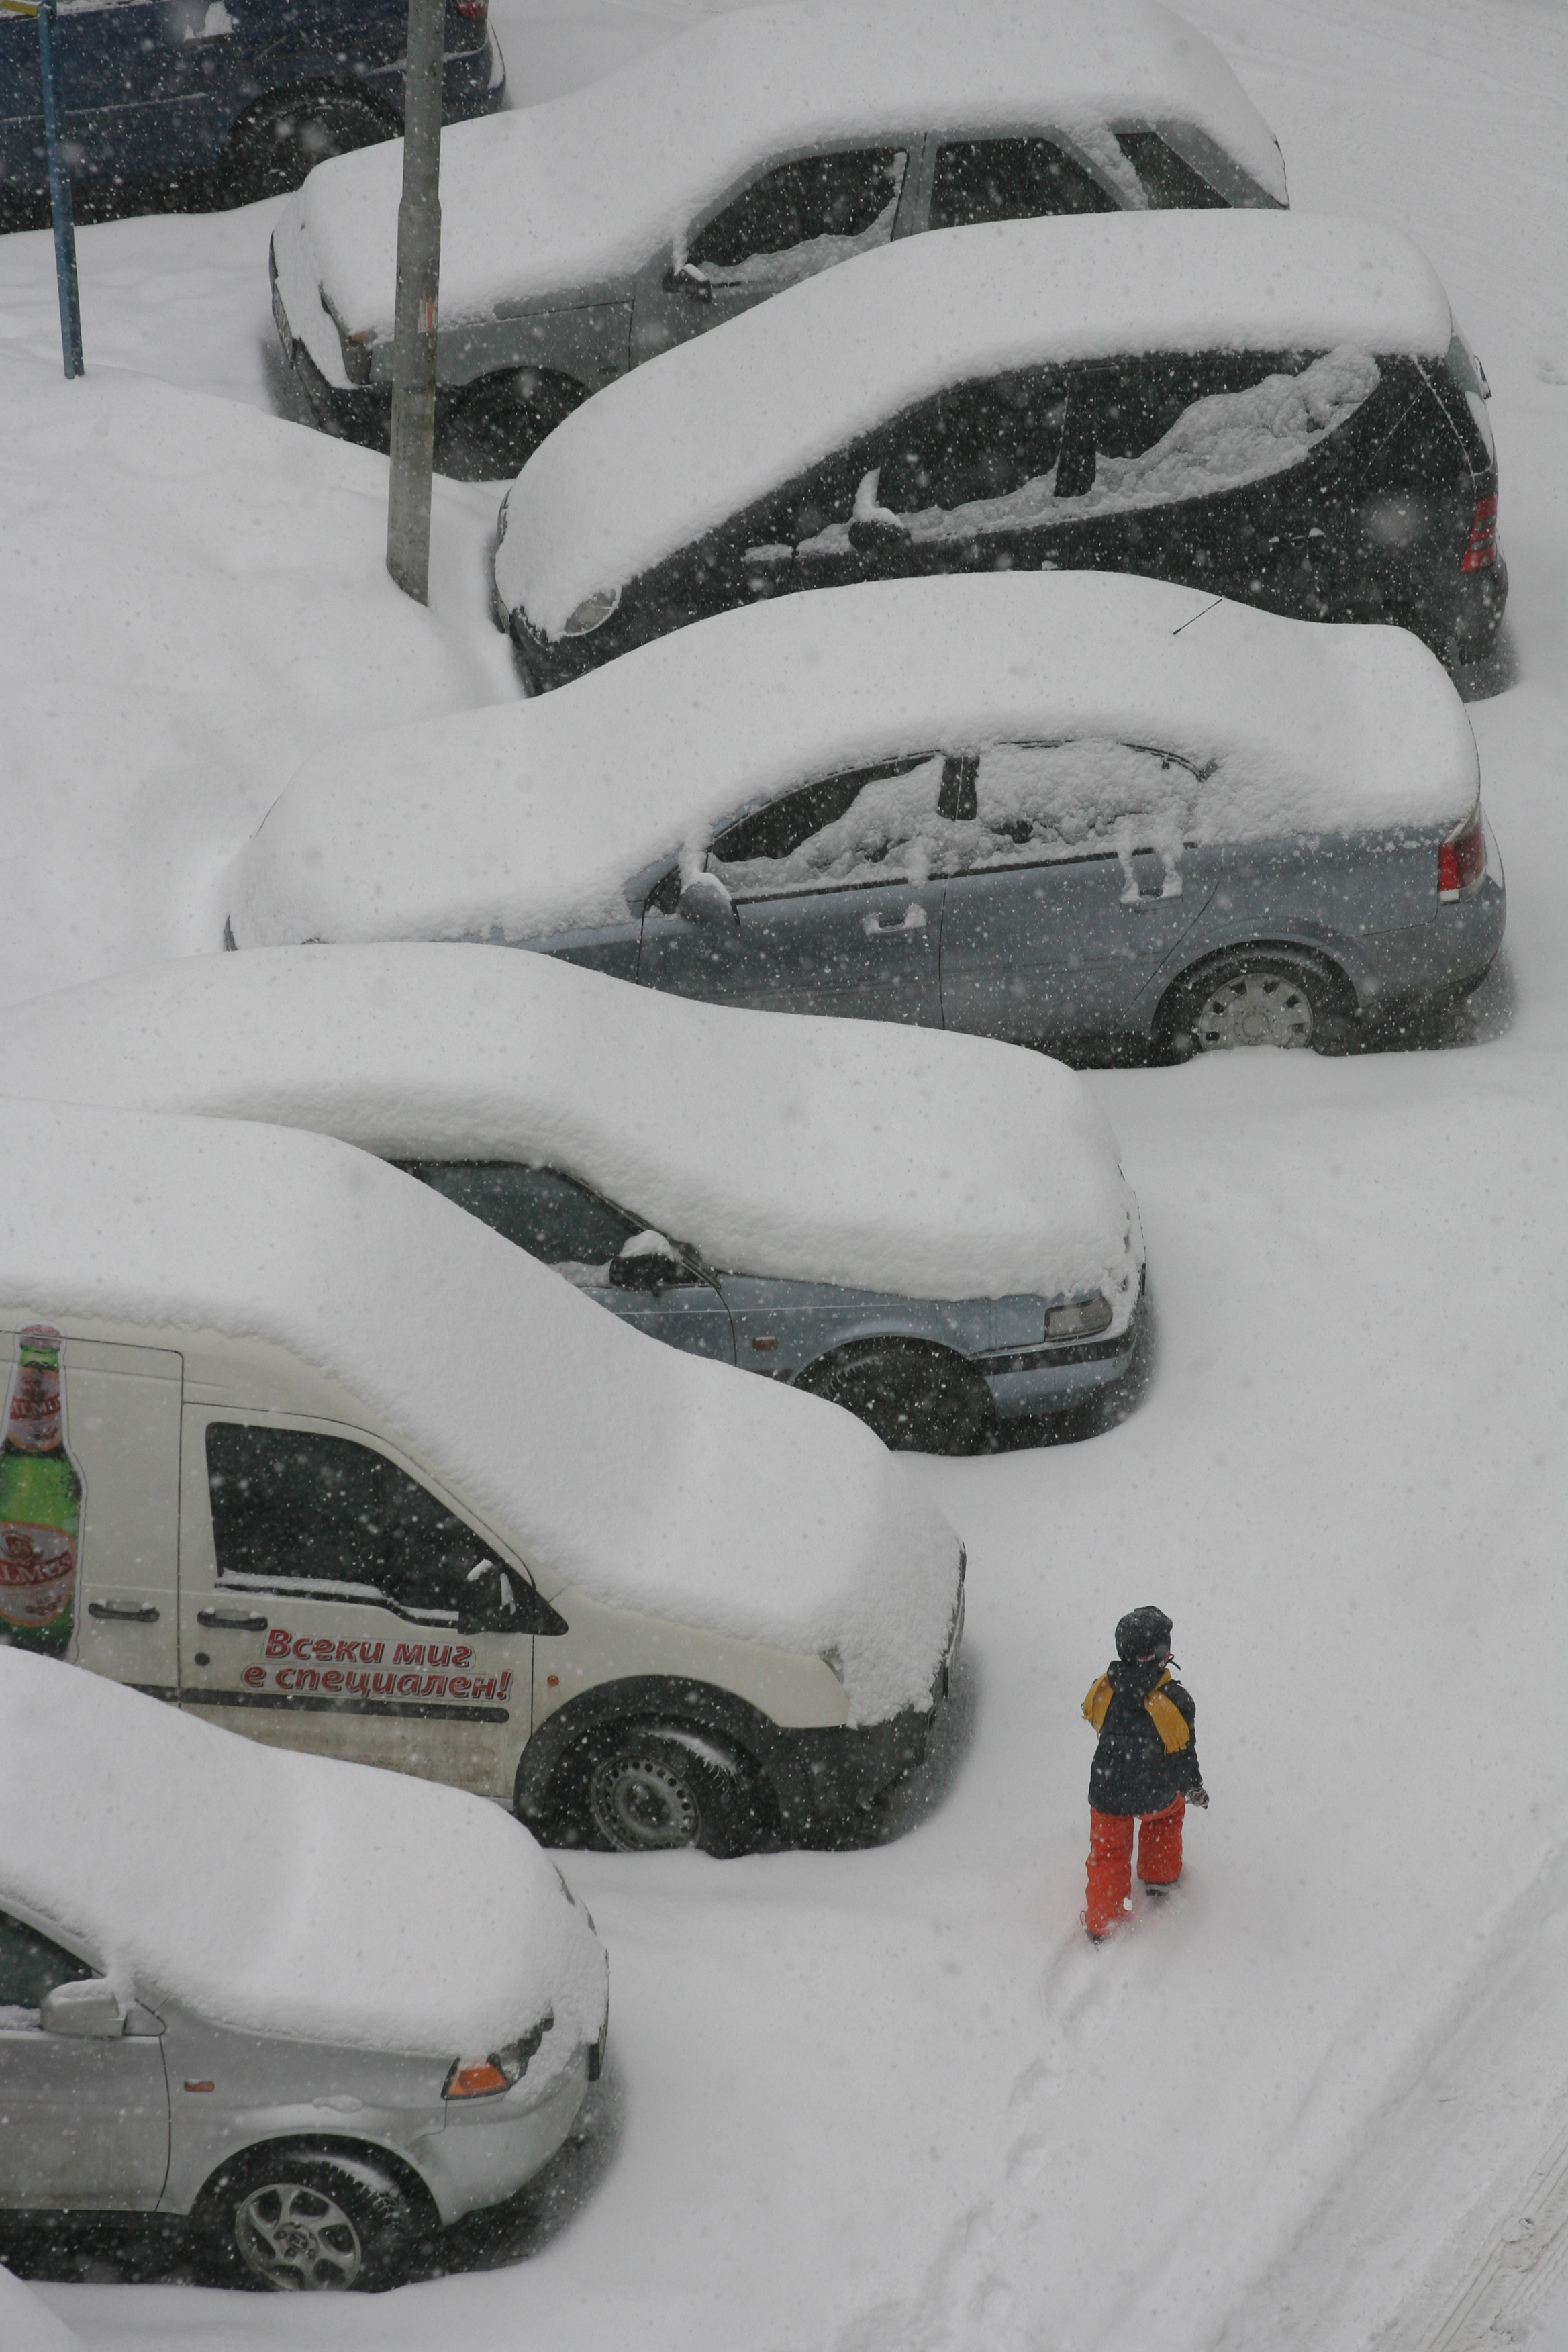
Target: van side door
{"points": [[331, 1600]]}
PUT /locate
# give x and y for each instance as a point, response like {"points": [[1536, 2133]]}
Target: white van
{"points": [[350, 1473]]}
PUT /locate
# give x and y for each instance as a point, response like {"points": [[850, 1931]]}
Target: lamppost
{"points": [[419, 290], [59, 176]]}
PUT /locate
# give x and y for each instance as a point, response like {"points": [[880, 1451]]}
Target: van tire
{"points": [[494, 426], [1292, 1001], [647, 1788], [302, 2216], [916, 1398], [270, 150]]}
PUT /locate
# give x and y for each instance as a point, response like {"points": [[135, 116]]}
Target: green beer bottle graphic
{"points": [[40, 1501]]}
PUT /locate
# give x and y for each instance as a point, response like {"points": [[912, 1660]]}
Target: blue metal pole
{"points": [[60, 194]]}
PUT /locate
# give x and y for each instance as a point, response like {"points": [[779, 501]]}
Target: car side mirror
{"points": [[496, 1599], [87, 2006], [645, 1262], [685, 278], [879, 534], [704, 900]]}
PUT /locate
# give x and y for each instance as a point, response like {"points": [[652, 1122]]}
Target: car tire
{"points": [[304, 2219], [917, 1400], [640, 1788], [1260, 996], [489, 434], [270, 150]]}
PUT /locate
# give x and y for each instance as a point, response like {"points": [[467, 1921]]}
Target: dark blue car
{"points": [[221, 101]]}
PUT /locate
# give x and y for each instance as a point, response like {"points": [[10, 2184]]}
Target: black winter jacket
{"points": [[1133, 1771]]}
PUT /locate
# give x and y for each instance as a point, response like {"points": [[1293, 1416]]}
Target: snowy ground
{"points": [[892, 2101]]}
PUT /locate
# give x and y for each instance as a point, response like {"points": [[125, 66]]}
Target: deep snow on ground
{"points": [[891, 2102]]}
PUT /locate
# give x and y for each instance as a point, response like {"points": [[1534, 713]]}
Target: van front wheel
{"points": [[652, 1788]]}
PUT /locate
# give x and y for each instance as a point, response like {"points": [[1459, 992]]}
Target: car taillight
{"points": [[1462, 861], [476, 11], [1481, 548]]}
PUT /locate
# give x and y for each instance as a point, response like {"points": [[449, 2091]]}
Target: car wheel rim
{"points": [[1258, 1008], [297, 2238], [642, 1805]]}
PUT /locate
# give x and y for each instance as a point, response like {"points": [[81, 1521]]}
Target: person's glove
{"points": [[1199, 1797]]}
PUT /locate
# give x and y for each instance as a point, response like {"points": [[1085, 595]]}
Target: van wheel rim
{"points": [[642, 1806], [1257, 1008], [298, 2239]]}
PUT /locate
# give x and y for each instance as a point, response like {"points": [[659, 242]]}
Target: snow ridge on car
{"points": [[853, 1152], [528, 820], [334, 1903], [690, 440], [651, 1480]]}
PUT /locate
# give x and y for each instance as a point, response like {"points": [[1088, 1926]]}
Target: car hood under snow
{"points": [[648, 1479], [706, 430], [528, 820], [841, 1151], [282, 1893], [570, 196]]}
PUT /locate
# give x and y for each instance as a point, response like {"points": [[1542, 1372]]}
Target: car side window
{"points": [[1168, 180], [542, 1212], [974, 443], [1010, 179], [892, 822], [31, 1966], [803, 216], [1038, 804], [294, 1506]]}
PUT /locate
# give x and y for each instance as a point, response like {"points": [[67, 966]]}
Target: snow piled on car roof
{"points": [[854, 1153], [552, 199], [692, 440], [283, 1893], [558, 815], [649, 1479]]}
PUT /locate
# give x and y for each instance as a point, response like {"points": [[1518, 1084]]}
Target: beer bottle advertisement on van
{"points": [[40, 1500]]}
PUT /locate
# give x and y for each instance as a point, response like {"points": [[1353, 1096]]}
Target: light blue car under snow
{"points": [[931, 1231]]}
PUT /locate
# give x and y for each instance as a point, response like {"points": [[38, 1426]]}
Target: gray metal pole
{"points": [[60, 191], [418, 289]]}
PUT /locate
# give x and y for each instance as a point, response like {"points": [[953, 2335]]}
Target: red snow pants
{"points": [[1110, 1860]]}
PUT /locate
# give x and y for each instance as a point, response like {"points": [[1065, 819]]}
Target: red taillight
{"points": [[1462, 861], [1481, 548], [476, 11]]}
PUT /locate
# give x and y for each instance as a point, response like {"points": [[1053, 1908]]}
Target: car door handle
{"points": [[124, 1612], [913, 918], [215, 1617]]}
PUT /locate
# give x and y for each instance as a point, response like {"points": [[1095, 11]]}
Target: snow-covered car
{"points": [[580, 238], [337, 1466], [929, 1230], [1086, 811], [320, 2010], [1269, 405]]}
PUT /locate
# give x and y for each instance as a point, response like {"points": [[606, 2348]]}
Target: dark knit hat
{"points": [[1141, 1632]]}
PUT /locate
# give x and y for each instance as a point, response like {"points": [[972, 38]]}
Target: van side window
{"points": [[1169, 182], [977, 441], [31, 1966], [291, 1505], [829, 201], [1010, 179], [537, 1209]]}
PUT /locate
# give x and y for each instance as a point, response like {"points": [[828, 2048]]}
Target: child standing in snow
{"points": [[1146, 1766]]}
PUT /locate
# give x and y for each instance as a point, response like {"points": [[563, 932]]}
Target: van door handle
{"points": [[230, 1624], [124, 1612]]}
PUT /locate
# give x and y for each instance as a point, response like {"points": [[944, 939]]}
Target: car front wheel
{"points": [[916, 1398], [304, 2221], [495, 428]]}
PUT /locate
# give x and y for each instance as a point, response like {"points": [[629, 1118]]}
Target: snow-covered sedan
{"points": [[1079, 810], [929, 1230], [318, 2010], [580, 238], [1273, 406]]}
